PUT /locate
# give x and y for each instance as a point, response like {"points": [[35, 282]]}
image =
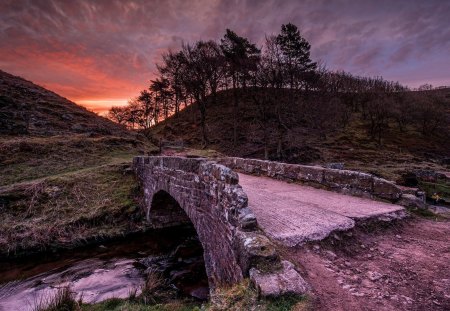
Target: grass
{"points": [[29, 158], [63, 300], [69, 209], [440, 186], [64, 191], [239, 297], [244, 297], [122, 305]]}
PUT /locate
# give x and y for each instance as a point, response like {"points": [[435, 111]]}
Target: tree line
{"points": [[284, 85]]}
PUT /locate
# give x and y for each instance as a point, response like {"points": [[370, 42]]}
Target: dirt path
{"points": [[292, 214], [404, 267]]}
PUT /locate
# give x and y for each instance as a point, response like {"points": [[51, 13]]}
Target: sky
{"points": [[100, 53]]}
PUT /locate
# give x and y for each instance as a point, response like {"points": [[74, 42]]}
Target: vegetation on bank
{"points": [[25, 158], [69, 209], [236, 298], [64, 172]]}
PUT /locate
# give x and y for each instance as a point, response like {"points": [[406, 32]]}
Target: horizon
{"points": [[103, 60]]}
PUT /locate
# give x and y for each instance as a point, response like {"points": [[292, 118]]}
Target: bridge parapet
{"points": [[344, 181], [213, 201]]}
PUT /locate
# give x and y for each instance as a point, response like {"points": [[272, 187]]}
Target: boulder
{"points": [[255, 251], [285, 281]]}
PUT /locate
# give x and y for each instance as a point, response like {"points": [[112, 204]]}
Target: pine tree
{"points": [[296, 54]]}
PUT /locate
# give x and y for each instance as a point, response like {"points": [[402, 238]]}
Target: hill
{"points": [[310, 142], [28, 109], [64, 176]]}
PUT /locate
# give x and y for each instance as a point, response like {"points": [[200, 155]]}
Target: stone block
{"points": [[247, 220], [290, 172], [343, 179], [272, 284], [386, 190], [275, 170], [411, 201], [310, 174], [255, 251]]}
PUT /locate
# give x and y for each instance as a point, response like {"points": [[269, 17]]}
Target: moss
{"points": [[243, 296], [441, 187], [288, 303]]}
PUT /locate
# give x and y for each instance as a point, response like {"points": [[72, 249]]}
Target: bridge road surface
{"points": [[293, 214]]}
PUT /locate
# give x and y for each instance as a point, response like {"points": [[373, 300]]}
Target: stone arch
{"points": [[215, 204], [165, 211], [215, 234]]}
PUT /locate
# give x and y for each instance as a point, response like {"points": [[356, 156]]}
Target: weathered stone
{"points": [[335, 166], [386, 189], [342, 179], [275, 169], [181, 190], [247, 220], [188, 190], [409, 190], [286, 281], [311, 174], [255, 250], [411, 201]]}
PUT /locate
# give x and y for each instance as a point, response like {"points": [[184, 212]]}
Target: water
{"points": [[97, 273]]}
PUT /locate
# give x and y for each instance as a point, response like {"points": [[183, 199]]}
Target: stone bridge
{"points": [[211, 196]]}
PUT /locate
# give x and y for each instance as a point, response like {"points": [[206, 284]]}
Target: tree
{"points": [[295, 54], [147, 106], [274, 69], [118, 114], [160, 87], [172, 71], [241, 57], [196, 78], [214, 65]]}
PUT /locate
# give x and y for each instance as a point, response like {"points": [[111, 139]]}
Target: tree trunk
{"points": [[203, 125], [235, 111], [280, 143], [266, 143]]}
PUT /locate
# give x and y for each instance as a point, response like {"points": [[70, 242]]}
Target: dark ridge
{"points": [[28, 109]]}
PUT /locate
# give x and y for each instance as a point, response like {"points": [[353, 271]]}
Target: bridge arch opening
{"points": [[188, 272]]}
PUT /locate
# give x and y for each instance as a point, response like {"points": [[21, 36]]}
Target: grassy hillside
{"points": [[64, 171], [352, 145], [28, 109]]}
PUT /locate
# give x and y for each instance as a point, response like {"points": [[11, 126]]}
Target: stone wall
{"points": [[213, 200], [344, 181]]}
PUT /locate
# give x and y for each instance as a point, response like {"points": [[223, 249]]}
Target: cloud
{"points": [[106, 49]]}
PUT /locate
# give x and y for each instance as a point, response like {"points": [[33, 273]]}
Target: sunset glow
{"points": [[100, 106], [102, 53]]}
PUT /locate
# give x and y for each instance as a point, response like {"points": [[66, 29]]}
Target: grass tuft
{"points": [[63, 300]]}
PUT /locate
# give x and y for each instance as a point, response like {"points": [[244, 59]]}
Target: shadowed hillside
{"points": [[64, 171], [28, 109], [400, 150]]}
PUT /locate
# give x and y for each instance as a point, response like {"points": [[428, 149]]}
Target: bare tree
{"points": [[241, 57]]}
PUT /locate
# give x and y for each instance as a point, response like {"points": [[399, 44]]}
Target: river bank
{"points": [[114, 269]]}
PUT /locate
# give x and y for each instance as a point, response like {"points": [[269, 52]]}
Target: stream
{"points": [[111, 270]]}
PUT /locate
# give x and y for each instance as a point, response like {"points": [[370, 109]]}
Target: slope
{"points": [[64, 172], [400, 151]]}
